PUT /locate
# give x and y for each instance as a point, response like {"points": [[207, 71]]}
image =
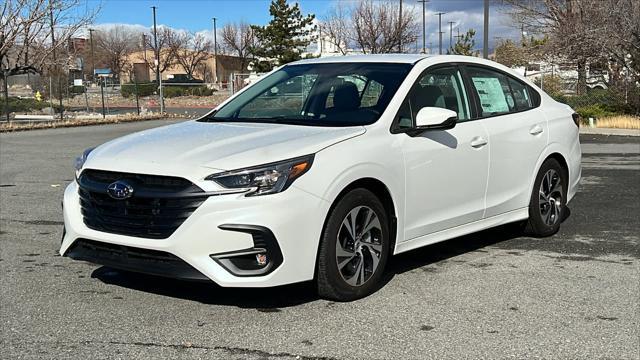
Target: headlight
{"points": [[264, 179], [79, 163]]}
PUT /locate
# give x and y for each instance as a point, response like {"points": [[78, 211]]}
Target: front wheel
{"points": [[354, 247], [548, 200]]}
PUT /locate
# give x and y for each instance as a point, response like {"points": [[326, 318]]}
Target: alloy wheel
{"points": [[359, 245], [551, 197]]}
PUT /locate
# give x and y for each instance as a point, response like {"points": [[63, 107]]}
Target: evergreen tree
{"points": [[465, 45], [285, 37]]}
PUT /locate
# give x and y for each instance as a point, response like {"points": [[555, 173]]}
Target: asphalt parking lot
{"points": [[487, 295]]}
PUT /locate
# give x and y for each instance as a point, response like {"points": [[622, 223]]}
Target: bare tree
{"points": [[377, 26], [239, 39], [584, 31], [26, 26], [115, 44], [194, 49], [510, 54], [336, 28], [168, 46]]}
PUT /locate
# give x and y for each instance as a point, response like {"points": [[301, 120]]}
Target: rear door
{"points": [[517, 132]]}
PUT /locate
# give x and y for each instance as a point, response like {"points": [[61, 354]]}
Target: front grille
{"points": [[159, 205], [147, 261]]}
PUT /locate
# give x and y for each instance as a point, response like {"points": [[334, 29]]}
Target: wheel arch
{"points": [[380, 190], [553, 151]]}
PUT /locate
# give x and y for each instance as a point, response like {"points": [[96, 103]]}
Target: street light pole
{"points": [[400, 28], [485, 45], [440, 31], [451, 34], [157, 60], [215, 51], [93, 57], [53, 52], [424, 29]]}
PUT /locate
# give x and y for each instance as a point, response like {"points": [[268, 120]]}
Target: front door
{"points": [[446, 170]]}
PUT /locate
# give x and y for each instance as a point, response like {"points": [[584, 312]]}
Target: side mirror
{"points": [[435, 118]]}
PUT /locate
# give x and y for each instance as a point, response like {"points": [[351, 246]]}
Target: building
{"points": [[140, 65]]}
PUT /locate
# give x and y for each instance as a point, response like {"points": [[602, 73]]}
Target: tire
{"points": [[548, 202], [346, 268]]}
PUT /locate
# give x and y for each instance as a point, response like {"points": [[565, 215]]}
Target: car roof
{"points": [[411, 59], [395, 58], [379, 58]]}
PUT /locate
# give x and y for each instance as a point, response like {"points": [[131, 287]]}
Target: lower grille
{"points": [[159, 205], [129, 258]]}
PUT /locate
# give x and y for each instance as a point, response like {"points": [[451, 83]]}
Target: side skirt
{"points": [[506, 218]]}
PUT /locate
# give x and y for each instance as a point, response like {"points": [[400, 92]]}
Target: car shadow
{"points": [[262, 299], [272, 299], [438, 252]]}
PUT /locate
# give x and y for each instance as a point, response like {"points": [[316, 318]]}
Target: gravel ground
{"points": [[487, 295]]}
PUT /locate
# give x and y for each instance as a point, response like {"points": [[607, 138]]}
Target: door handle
{"points": [[536, 130], [478, 142]]}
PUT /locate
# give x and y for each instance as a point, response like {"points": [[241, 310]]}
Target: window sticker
{"points": [[491, 95]]}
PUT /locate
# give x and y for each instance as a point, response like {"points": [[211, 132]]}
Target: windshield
{"points": [[335, 94]]}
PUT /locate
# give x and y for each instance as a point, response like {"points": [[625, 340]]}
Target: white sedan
{"points": [[325, 168]]}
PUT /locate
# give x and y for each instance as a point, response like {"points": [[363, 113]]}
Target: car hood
{"points": [[196, 149]]}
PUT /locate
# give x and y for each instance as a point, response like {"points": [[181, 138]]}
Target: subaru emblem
{"points": [[120, 190]]}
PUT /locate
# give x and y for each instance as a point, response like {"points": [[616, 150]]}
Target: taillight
{"points": [[576, 119]]}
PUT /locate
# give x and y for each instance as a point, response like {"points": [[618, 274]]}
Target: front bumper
{"points": [[294, 217]]}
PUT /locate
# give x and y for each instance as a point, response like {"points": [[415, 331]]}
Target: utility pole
{"points": [[53, 52], [451, 35], [157, 60], [424, 28], [485, 45], [93, 57], [5, 73], [144, 46], [400, 28], [215, 51], [440, 30], [458, 38]]}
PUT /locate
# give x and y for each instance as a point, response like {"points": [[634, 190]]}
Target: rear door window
{"points": [[493, 91]]}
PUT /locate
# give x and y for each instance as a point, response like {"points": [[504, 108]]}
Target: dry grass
{"points": [[619, 122], [25, 125]]}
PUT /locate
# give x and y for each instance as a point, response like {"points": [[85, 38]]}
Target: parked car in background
{"points": [[325, 168], [181, 79]]}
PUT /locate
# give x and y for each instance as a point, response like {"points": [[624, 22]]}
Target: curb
{"points": [[609, 131]]}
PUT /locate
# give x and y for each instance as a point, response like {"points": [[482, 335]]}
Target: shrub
{"points": [[76, 89], [598, 103], [594, 111], [172, 91], [26, 105], [128, 90], [182, 90]]}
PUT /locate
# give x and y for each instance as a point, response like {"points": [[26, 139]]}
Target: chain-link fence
{"points": [[597, 98], [237, 81]]}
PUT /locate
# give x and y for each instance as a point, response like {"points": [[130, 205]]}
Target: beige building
{"points": [[142, 64]]}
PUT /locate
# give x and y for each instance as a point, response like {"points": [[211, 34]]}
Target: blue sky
{"points": [[195, 15]]}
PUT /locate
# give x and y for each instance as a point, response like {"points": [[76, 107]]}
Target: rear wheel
{"points": [[548, 200], [354, 247]]}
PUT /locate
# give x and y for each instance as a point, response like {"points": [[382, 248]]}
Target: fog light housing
{"points": [[261, 259]]}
